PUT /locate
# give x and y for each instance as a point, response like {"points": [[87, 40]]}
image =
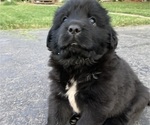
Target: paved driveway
{"points": [[24, 87]]}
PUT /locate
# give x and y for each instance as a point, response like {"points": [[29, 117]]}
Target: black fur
{"points": [[82, 44]]}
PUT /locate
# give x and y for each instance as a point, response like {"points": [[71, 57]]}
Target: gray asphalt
{"points": [[24, 86]]}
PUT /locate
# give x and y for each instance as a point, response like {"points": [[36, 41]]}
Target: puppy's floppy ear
{"points": [[49, 39], [113, 40]]}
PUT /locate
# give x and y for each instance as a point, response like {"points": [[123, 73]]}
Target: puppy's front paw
{"points": [[74, 119]]}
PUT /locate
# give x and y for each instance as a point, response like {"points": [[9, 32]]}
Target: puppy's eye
{"points": [[92, 20], [65, 18]]}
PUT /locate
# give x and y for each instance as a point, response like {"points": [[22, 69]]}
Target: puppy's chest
{"points": [[71, 93]]}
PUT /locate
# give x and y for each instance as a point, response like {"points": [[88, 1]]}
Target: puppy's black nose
{"points": [[74, 29]]}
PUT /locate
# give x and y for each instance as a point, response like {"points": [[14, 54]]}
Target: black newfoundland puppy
{"points": [[91, 85]]}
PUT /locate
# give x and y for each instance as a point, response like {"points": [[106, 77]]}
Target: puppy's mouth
{"points": [[71, 44], [73, 47], [74, 44], [74, 50], [75, 53]]}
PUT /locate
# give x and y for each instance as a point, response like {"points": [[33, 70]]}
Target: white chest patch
{"points": [[71, 93]]}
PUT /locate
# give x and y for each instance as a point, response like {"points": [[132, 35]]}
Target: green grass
{"points": [[23, 16], [139, 8], [120, 20], [26, 16]]}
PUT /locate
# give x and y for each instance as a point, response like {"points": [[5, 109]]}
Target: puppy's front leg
{"points": [[59, 110]]}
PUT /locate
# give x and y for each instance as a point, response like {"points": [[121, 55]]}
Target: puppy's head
{"points": [[81, 33]]}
